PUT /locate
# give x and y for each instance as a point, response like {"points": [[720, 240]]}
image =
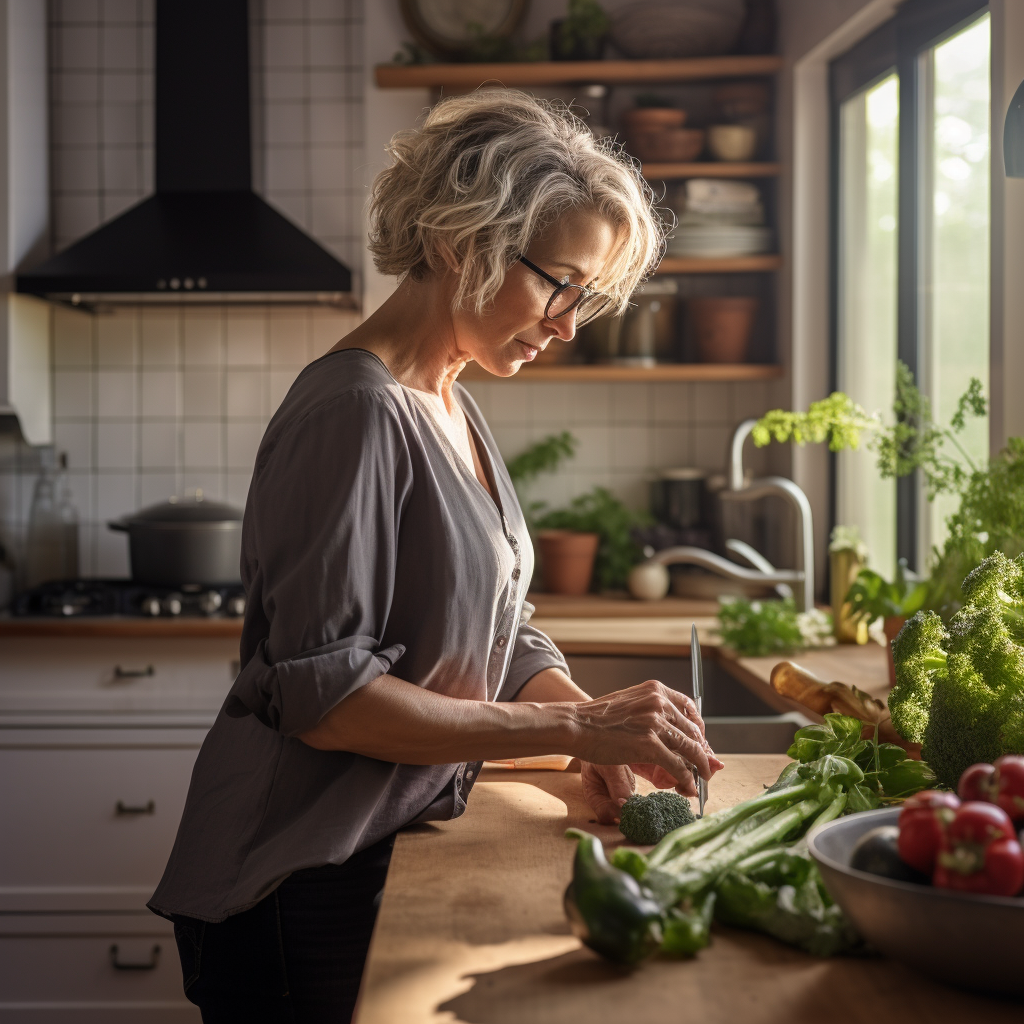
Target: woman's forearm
{"points": [[393, 720], [550, 685]]}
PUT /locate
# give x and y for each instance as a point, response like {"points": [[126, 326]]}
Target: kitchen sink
{"points": [[736, 720]]}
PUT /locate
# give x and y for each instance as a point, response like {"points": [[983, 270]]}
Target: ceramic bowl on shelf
{"points": [[673, 145], [961, 939], [732, 142]]}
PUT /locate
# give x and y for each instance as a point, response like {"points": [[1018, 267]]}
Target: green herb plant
{"points": [[597, 511], [758, 628], [873, 597], [990, 519], [585, 23], [913, 442]]}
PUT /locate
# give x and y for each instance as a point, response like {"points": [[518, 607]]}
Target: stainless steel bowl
{"points": [[972, 942]]}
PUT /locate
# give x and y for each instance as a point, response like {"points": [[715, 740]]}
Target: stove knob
{"points": [[209, 602], [171, 604], [236, 606], [150, 606]]}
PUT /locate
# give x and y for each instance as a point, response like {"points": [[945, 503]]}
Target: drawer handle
{"points": [[133, 673], [146, 808], [120, 965]]}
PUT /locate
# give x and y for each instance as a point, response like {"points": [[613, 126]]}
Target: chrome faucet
{"points": [[785, 581]]}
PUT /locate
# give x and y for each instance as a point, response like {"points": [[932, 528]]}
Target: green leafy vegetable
{"points": [[872, 596], [960, 691], [747, 865]]}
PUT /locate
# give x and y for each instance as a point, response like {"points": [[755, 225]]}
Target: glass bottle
{"points": [[52, 547]]}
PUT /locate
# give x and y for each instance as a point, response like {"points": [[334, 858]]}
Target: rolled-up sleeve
{"points": [[533, 652], [320, 543]]}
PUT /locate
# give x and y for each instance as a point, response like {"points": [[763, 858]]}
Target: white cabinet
{"points": [[98, 738], [90, 969], [90, 815]]}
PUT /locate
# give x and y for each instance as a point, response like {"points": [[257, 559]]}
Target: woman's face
{"points": [[578, 245]]}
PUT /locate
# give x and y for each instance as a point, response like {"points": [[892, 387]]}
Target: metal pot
{"points": [[184, 540]]}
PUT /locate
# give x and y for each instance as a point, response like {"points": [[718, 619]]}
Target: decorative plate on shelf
{"points": [[450, 28]]}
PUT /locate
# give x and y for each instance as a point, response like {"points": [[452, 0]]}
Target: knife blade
{"points": [[697, 678]]}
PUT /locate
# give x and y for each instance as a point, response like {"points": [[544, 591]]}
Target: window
{"points": [[911, 267]]}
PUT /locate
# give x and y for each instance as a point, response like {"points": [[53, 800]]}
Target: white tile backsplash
{"points": [[159, 394], [115, 394], [115, 445]]}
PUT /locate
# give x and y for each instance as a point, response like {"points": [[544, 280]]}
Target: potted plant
{"points": [[872, 597], [588, 541], [580, 35]]}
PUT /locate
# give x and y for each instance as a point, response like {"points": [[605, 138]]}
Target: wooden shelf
{"points": [[710, 169], [727, 265], [608, 373], [567, 72]]}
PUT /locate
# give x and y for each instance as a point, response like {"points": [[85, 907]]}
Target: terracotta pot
{"points": [[722, 327], [669, 145], [892, 624], [567, 558], [651, 119]]}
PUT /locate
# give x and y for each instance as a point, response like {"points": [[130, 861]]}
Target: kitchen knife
{"points": [[697, 677]]}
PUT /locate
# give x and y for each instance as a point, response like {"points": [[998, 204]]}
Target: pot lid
{"points": [[186, 510], [684, 473]]}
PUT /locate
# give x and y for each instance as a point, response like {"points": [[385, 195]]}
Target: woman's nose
{"points": [[565, 326]]}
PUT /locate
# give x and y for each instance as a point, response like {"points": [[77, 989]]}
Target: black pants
{"points": [[297, 956]]}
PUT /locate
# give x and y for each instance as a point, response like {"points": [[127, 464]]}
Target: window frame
{"points": [[897, 45]]}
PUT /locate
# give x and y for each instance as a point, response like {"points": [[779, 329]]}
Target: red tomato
{"points": [[923, 822], [976, 782], [980, 853], [1009, 785]]}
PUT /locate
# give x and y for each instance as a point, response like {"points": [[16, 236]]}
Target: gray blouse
{"points": [[368, 546]]}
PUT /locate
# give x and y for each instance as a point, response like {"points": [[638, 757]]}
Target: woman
{"points": [[386, 648]]}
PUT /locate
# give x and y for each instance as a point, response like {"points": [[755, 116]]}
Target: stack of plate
{"points": [[719, 240], [719, 219]]}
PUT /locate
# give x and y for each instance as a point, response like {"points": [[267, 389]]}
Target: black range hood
{"points": [[204, 235]]}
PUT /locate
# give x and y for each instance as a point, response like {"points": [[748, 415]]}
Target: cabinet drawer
{"points": [[115, 674], [89, 828], [95, 971]]}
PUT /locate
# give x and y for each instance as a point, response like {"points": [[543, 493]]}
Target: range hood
{"points": [[204, 236]]}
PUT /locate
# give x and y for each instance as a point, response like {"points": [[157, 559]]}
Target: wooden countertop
{"points": [[471, 929], [120, 626]]}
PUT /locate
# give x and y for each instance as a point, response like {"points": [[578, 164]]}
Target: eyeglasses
{"points": [[567, 297]]}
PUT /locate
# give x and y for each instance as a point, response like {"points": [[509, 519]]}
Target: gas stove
{"points": [[81, 598]]}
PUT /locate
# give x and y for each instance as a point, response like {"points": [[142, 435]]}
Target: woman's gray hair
{"points": [[488, 172]]}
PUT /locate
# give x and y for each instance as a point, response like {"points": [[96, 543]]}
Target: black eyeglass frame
{"points": [[564, 285]]}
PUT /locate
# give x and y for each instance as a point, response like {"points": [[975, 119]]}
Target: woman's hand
{"points": [[606, 787], [647, 728]]}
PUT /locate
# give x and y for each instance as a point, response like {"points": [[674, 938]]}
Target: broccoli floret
{"points": [[646, 820], [960, 691], [919, 655]]}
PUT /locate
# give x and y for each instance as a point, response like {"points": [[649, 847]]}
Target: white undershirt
{"points": [[453, 424]]}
